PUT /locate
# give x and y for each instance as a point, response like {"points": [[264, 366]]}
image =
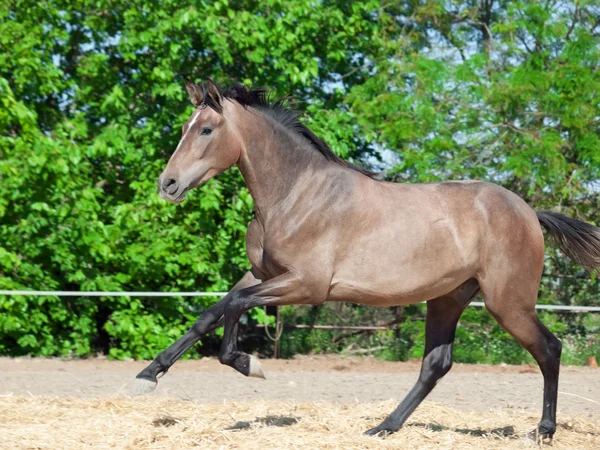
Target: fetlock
{"points": [[245, 364]]}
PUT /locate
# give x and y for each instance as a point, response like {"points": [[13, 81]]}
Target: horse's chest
{"points": [[264, 264]]}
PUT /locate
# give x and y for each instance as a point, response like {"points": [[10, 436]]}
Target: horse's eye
{"points": [[206, 131]]}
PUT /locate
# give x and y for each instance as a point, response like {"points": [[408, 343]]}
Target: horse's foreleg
{"points": [[286, 289], [212, 318], [442, 317]]}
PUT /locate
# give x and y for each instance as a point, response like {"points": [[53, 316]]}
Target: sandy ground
{"points": [[28, 423], [308, 379]]}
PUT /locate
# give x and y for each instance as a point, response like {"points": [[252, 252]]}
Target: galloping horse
{"points": [[325, 230]]}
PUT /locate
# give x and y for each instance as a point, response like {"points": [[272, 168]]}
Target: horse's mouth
{"points": [[175, 200], [180, 198]]}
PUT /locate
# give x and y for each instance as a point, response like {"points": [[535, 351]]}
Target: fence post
{"points": [[277, 334]]}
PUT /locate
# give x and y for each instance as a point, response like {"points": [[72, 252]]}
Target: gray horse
{"points": [[325, 230]]}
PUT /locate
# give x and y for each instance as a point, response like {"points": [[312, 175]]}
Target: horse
{"points": [[326, 230]]}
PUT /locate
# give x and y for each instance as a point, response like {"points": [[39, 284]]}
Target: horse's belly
{"points": [[416, 259], [396, 293], [399, 278]]}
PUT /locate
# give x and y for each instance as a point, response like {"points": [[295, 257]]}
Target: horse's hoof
{"points": [[541, 435], [142, 386], [255, 369], [544, 432], [379, 432]]}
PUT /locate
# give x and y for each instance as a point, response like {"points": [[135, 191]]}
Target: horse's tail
{"points": [[579, 240]]}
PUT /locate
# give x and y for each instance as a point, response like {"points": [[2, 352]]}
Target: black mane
{"points": [[281, 111]]}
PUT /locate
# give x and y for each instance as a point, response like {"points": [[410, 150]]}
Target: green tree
{"points": [[504, 91], [92, 102], [92, 98]]}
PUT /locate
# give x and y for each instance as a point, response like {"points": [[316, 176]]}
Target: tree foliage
{"points": [[92, 100]]}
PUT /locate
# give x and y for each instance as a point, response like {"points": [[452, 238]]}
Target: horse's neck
{"points": [[276, 164]]}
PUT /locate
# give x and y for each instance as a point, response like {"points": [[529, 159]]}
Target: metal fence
{"points": [[222, 294], [278, 324]]}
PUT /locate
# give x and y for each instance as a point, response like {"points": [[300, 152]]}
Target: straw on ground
{"points": [[155, 423]]}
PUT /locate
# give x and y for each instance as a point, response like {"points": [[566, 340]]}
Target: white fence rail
{"points": [[221, 294], [112, 294]]}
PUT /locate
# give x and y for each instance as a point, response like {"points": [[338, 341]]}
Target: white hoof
{"points": [[142, 386], [256, 368]]}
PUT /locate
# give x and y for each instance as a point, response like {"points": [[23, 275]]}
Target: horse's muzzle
{"points": [[171, 190]]}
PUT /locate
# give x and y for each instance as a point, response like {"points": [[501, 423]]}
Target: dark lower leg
{"points": [[442, 317], [210, 320], [549, 361], [527, 329], [286, 289], [229, 354], [417, 394]]}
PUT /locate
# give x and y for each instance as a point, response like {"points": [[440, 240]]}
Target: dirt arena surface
{"points": [[307, 379], [306, 403]]}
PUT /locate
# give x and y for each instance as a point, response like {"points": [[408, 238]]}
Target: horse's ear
{"points": [[212, 96], [195, 93]]}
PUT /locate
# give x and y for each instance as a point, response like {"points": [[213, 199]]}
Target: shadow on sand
{"points": [[270, 421], [507, 432], [501, 432], [286, 421]]}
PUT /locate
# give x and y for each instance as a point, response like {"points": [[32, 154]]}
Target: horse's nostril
{"points": [[170, 186]]}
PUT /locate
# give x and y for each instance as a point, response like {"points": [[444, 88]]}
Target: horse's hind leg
{"points": [[440, 326], [513, 306]]}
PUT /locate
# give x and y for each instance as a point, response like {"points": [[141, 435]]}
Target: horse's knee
{"points": [[436, 364], [236, 306], [202, 325]]}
